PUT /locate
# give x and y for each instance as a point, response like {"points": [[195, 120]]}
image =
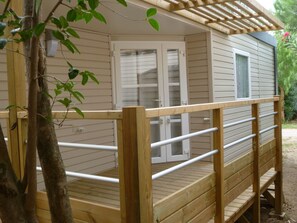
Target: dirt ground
{"points": [[290, 179]]}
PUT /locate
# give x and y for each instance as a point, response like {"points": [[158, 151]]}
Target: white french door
{"points": [[153, 74]]}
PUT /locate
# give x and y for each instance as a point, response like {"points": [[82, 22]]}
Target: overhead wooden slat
{"points": [[229, 16]]}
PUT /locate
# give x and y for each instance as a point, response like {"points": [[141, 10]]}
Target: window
{"points": [[242, 74]]}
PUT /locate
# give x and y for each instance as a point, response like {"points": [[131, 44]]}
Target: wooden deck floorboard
{"points": [[108, 193]]}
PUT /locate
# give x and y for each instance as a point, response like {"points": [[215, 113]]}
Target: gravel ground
{"points": [[290, 179]]}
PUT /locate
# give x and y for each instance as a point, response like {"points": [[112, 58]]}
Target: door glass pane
{"points": [[139, 78], [173, 65], [174, 98], [242, 76]]}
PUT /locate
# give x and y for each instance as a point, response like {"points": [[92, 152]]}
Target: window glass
{"points": [[242, 76]]}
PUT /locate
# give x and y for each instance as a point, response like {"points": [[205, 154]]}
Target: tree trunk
{"points": [[11, 193], [50, 156]]}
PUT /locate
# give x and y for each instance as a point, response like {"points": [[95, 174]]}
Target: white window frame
{"points": [[246, 54]]}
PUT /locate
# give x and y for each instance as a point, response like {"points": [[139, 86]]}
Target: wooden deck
{"points": [[108, 193], [202, 192]]}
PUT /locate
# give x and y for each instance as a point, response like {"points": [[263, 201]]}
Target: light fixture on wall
{"points": [[51, 43]]}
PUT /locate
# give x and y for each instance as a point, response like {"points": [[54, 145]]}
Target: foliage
{"points": [[286, 11], [84, 10], [287, 63], [290, 106]]}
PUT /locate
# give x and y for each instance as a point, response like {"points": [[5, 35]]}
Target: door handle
{"points": [[168, 120]]}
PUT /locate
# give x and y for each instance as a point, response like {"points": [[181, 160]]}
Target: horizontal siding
{"points": [[198, 89], [3, 88], [262, 85], [95, 56]]}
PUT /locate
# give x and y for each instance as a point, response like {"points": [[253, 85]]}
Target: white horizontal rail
{"points": [[239, 141], [268, 129], [88, 176], [239, 122], [184, 164], [88, 146], [268, 114], [183, 137]]}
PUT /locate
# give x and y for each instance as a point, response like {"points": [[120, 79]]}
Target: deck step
{"points": [[239, 205]]}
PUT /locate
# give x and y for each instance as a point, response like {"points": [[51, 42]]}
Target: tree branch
{"points": [[53, 11], [6, 6]]}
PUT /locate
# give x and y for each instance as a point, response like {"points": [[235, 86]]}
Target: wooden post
{"points": [[256, 163], [16, 93], [218, 143], [135, 166], [278, 159]]}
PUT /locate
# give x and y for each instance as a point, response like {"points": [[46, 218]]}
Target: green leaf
{"points": [[58, 35], [63, 22], [154, 23], [56, 22], [99, 16], [26, 34], [93, 4], [93, 78], [71, 15], [78, 111], [3, 43], [37, 5], [10, 106], [2, 26], [72, 73], [66, 102], [38, 30], [87, 17], [151, 12], [72, 32], [58, 92], [70, 45], [77, 95], [123, 2], [85, 79]]}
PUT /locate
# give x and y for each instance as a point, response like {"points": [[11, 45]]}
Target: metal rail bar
{"points": [[184, 164], [6, 139], [239, 122], [180, 138], [268, 114], [88, 146], [239, 141], [268, 129], [88, 176]]}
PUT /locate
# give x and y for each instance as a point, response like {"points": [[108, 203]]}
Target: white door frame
{"points": [[162, 70]]}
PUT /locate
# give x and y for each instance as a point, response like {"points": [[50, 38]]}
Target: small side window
{"points": [[242, 74]]}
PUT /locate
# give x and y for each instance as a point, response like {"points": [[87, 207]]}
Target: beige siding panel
{"points": [[262, 84], [3, 88], [198, 82], [95, 56]]}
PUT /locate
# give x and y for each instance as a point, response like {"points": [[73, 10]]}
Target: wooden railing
{"points": [[134, 153], [135, 158]]}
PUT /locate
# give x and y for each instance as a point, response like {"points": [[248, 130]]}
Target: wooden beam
{"points": [[177, 110], [258, 8], [16, 94], [196, 4], [218, 143], [268, 196], [256, 162], [278, 159], [135, 162]]}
